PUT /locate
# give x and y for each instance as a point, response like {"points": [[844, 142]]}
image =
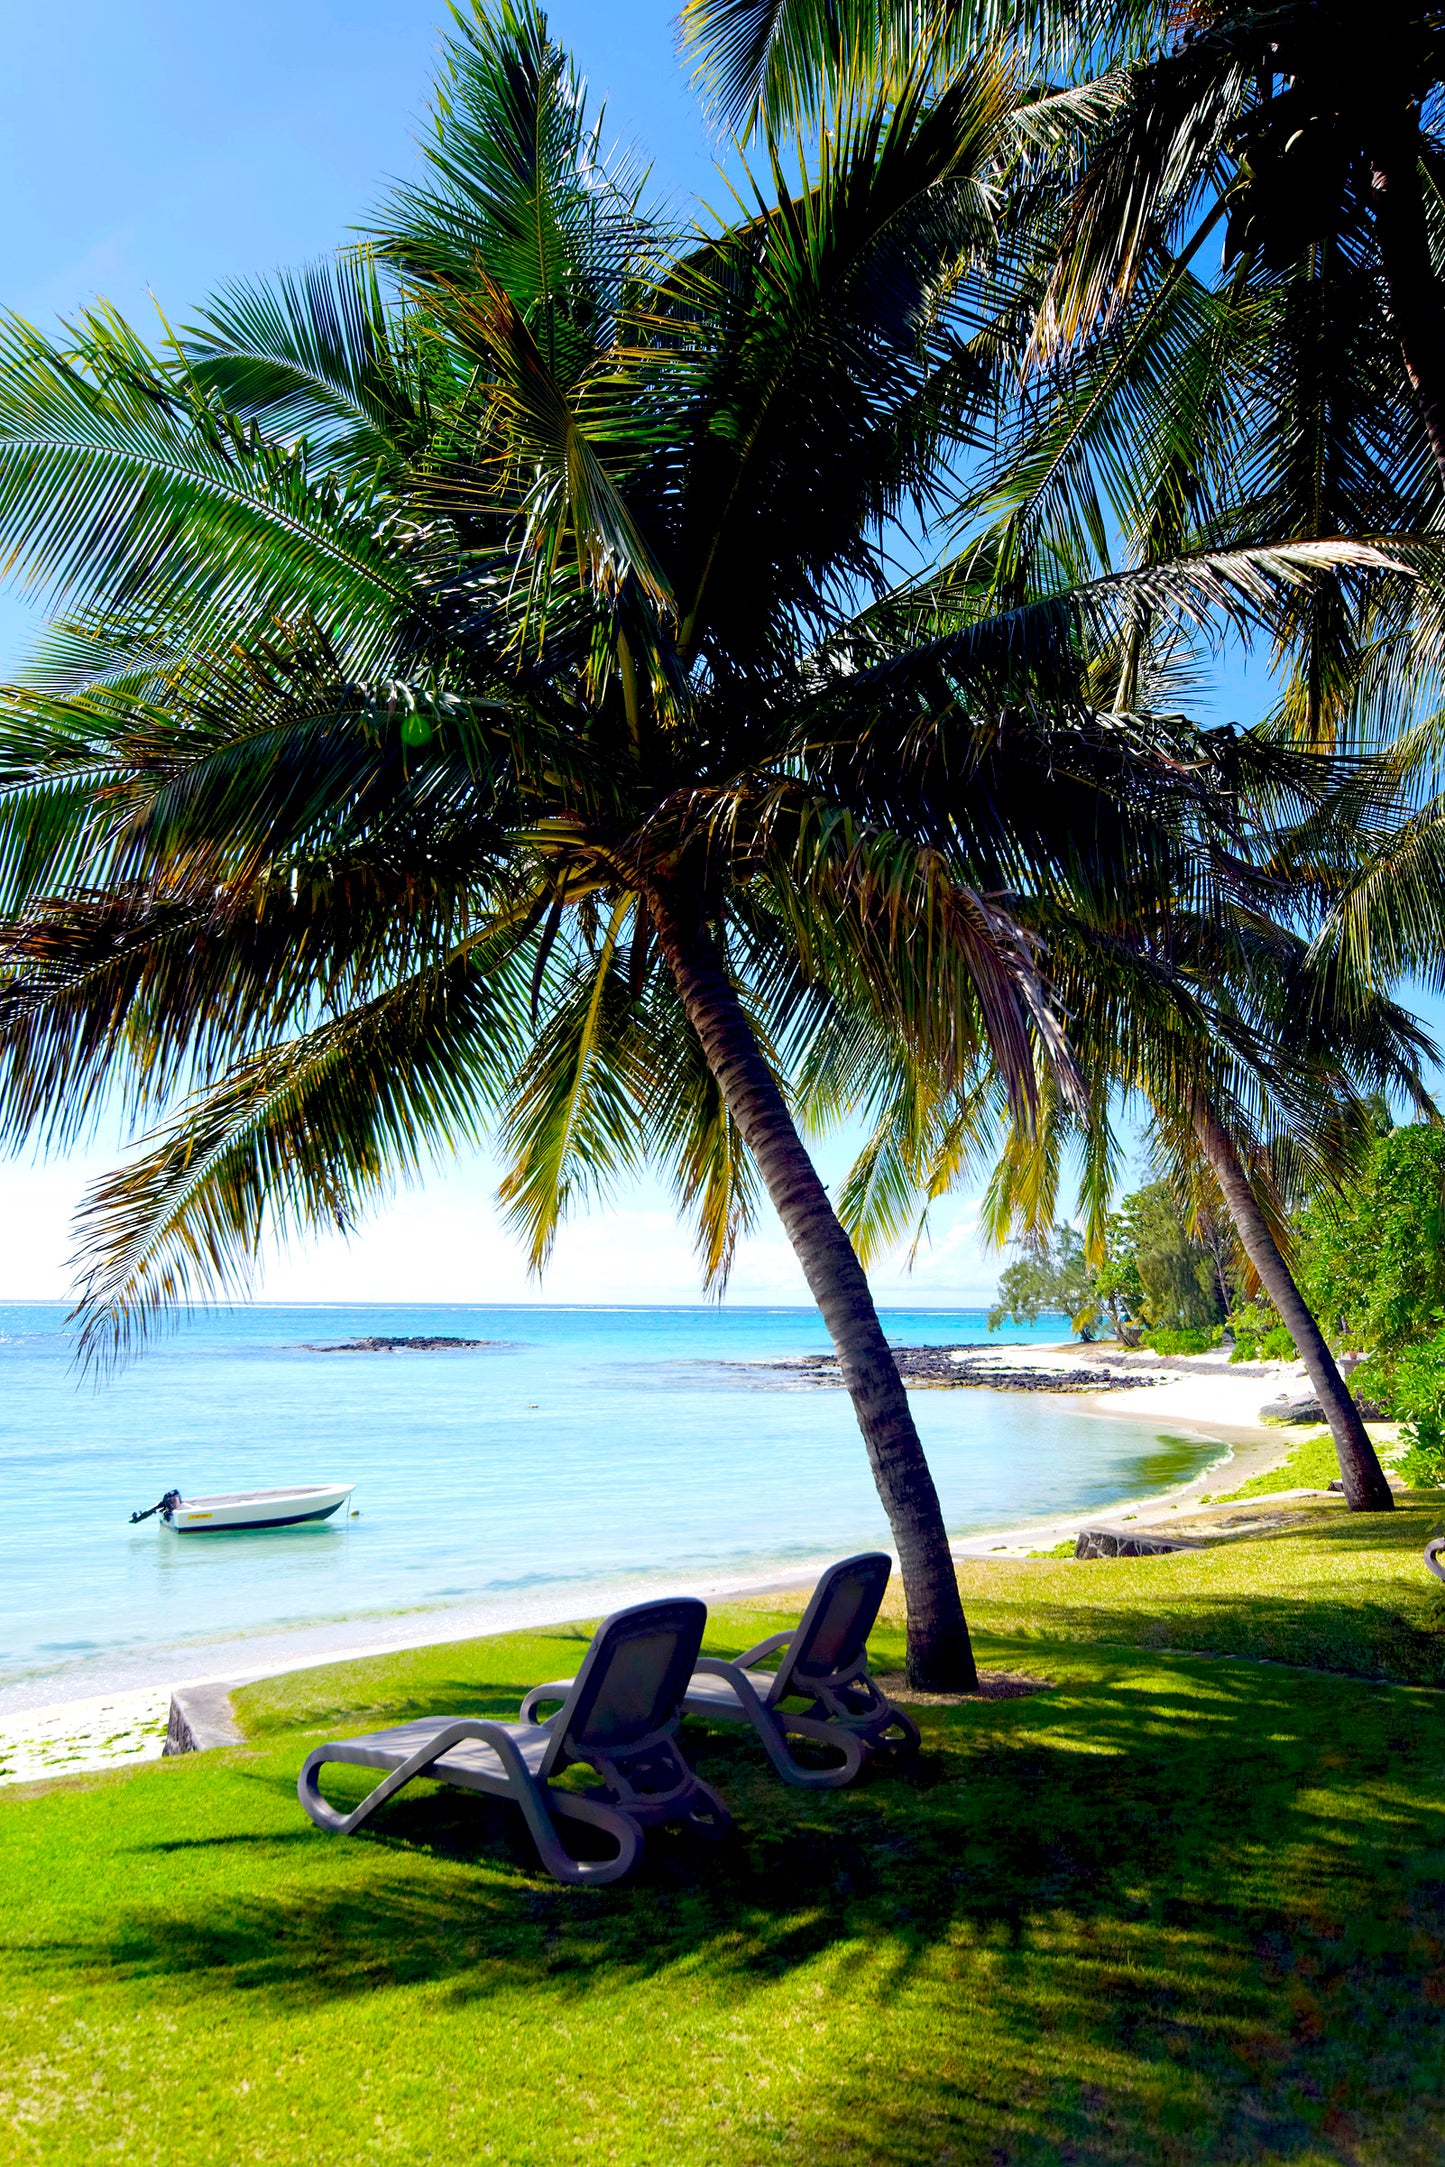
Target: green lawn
{"points": [[1179, 1909]]}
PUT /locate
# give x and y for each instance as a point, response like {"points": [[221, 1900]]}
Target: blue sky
{"points": [[159, 150]]}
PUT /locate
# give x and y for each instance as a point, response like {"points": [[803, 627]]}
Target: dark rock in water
{"points": [[418, 1344], [1112, 1542], [955, 1367], [1308, 1409]]}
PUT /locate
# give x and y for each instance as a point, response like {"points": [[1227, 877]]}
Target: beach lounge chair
{"points": [[824, 1662], [618, 1717], [1433, 1553]]}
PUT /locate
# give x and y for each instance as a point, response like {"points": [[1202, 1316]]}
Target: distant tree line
{"points": [[1370, 1257]]}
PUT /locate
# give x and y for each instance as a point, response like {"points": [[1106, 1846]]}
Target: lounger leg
{"points": [[826, 1734], [896, 1749], [584, 1872], [707, 1814], [772, 1729], [526, 1792], [308, 1787]]}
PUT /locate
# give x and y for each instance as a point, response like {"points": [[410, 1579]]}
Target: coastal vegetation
{"points": [[644, 691], [1152, 1273], [1172, 1907], [1370, 1254]]}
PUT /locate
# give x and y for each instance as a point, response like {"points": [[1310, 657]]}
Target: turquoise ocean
{"points": [[591, 1450]]}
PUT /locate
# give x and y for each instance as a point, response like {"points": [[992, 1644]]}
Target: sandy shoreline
{"points": [[124, 1719]]}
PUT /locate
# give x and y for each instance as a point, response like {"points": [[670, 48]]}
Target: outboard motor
{"points": [[165, 1508]]}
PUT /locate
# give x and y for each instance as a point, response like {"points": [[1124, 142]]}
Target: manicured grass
{"points": [[1176, 1910], [1327, 1588], [1312, 1465]]}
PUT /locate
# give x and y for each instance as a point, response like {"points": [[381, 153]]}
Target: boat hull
{"points": [[248, 1511]]}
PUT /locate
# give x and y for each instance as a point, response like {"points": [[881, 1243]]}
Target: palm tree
{"points": [[1303, 131], [1290, 124], [1291, 398], [435, 732], [1190, 987]]}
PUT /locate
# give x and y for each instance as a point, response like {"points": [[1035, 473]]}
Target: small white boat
{"points": [[238, 1509]]}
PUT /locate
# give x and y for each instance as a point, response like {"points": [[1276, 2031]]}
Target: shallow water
{"points": [[596, 1446]]}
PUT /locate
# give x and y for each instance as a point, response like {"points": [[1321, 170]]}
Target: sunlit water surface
{"points": [[592, 1445]]}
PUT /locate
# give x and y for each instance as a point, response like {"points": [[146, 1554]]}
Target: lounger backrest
{"points": [[833, 1631], [633, 1676]]}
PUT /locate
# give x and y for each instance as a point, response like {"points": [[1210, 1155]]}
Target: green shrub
{"points": [[1258, 1334], [1372, 1257], [1423, 1465], [1190, 1339], [1409, 1385]]}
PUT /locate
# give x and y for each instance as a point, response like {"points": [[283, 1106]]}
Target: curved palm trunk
{"points": [[940, 1656], [1366, 1489], [1417, 303]]}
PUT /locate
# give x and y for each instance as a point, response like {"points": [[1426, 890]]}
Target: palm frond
{"points": [[306, 1134], [518, 184], [572, 1120], [317, 354], [122, 482]]}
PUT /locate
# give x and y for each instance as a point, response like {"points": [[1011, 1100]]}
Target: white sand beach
{"points": [[1195, 1395]]}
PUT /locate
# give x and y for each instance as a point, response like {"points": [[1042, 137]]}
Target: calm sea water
{"points": [[594, 1445]]}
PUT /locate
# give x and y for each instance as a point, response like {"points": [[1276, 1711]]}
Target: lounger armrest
{"points": [[556, 1689], [770, 1646], [718, 1666], [771, 1725]]}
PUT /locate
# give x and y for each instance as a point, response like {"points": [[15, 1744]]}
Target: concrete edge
{"points": [[1123, 1542], [201, 1717]]}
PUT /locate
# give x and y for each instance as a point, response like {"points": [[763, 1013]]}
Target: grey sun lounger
{"points": [[1433, 1553], [618, 1717], [824, 1662]]}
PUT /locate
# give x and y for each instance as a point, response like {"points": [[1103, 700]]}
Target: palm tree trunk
{"points": [[940, 1657], [1417, 304], [1366, 1489]]}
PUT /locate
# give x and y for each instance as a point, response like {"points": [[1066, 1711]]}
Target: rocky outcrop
{"points": [[960, 1367], [1304, 1407], [940, 1366]]}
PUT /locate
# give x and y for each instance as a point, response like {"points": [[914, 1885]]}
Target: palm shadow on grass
{"points": [[1204, 1904], [1344, 1594], [1358, 1638]]}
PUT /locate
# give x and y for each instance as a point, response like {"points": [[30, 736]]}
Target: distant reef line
{"points": [[414, 1343]]}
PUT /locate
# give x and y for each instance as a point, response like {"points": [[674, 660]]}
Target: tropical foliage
{"points": [[1050, 1274], [1373, 1262], [1154, 1281], [1373, 1252]]}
